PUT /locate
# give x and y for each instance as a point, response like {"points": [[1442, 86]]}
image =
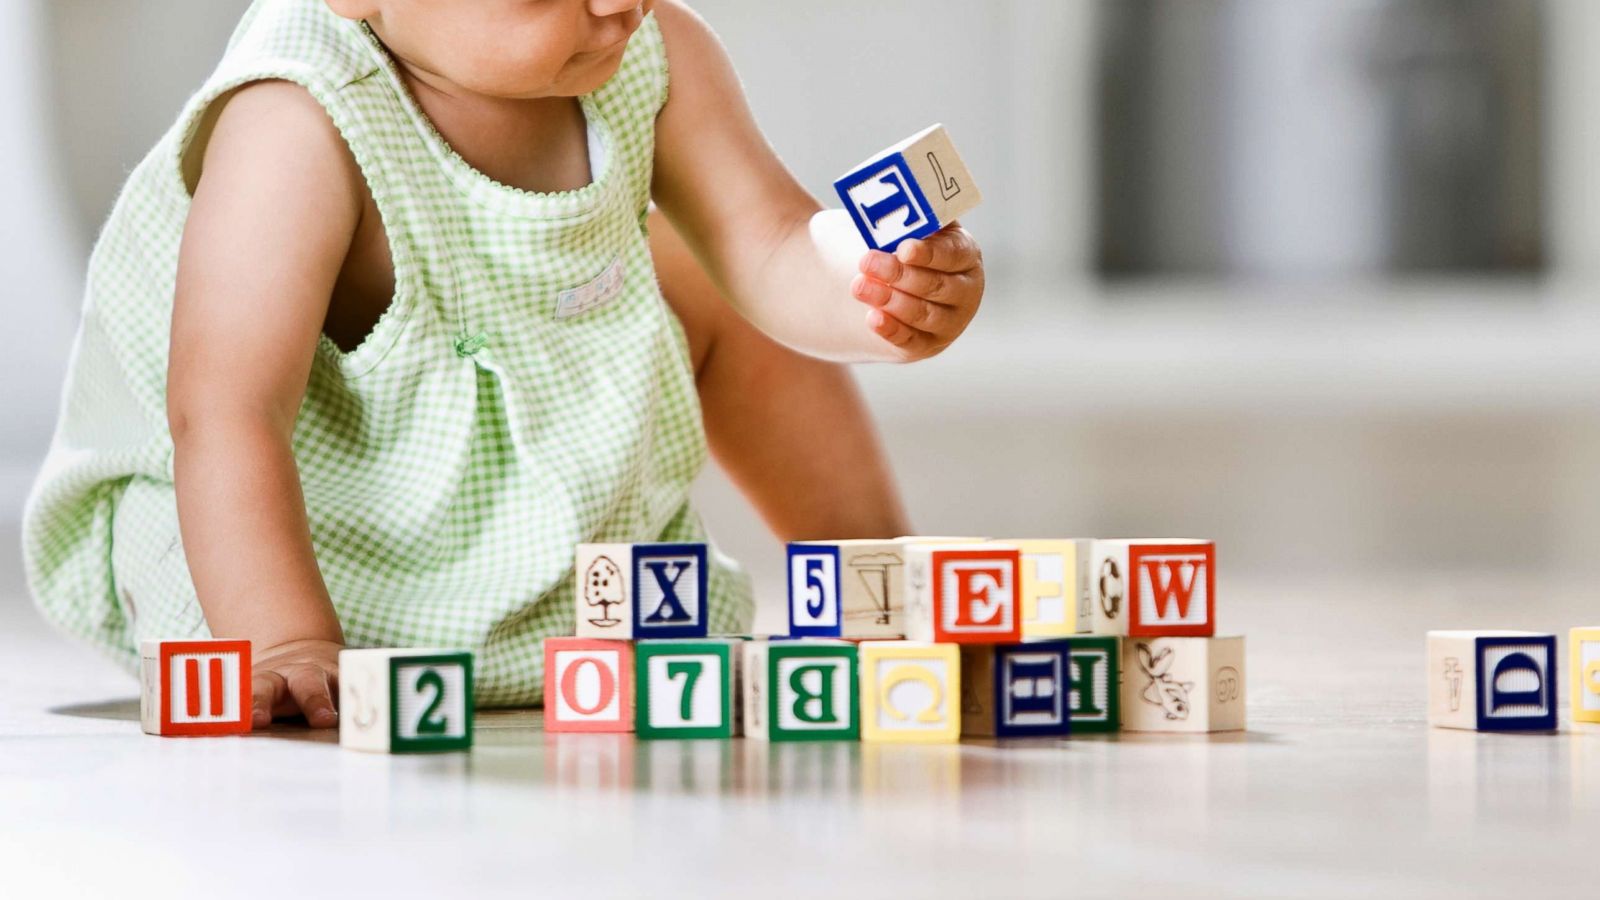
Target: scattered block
{"points": [[686, 689], [1054, 593], [801, 691], [964, 593], [909, 190], [851, 589], [405, 701], [1150, 588], [1094, 683], [1183, 684], [910, 691], [1015, 690], [588, 685], [637, 591], [1492, 680], [195, 687], [1585, 650]]}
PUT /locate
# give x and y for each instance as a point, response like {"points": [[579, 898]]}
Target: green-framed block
{"points": [[685, 688], [405, 701], [1093, 683], [807, 690]]}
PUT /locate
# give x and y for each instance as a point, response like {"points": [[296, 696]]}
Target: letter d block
{"points": [[686, 689], [910, 692], [910, 190], [801, 691], [197, 687], [1585, 650], [639, 591], [405, 701], [1492, 680], [1183, 684], [588, 685], [964, 594], [1153, 588]]}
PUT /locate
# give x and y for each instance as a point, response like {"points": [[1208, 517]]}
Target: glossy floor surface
{"points": [[1338, 789]]}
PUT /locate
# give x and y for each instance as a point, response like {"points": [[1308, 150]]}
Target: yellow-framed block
{"points": [[1583, 649], [1053, 596], [910, 692]]}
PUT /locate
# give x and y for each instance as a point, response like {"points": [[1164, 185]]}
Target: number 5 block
{"points": [[852, 589], [195, 687], [405, 701], [686, 689], [588, 685]]}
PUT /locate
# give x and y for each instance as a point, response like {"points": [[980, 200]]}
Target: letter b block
{"points": [[195, 687], [1153, 588], [910, 691], [801, 691], [686, 689], [1492, 680], [405, 701], [964, 594], [638, 591], [588, 685], [910, 190], [1585, 650]]}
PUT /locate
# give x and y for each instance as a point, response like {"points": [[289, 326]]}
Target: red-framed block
{"points": [[588, 685], [195, 687], [964, 594]]}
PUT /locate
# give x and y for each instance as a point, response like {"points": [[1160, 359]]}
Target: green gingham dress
{"points": [[527, 389]]}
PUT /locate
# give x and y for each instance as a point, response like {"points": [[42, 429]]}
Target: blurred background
{"points": [[1313, 277]]}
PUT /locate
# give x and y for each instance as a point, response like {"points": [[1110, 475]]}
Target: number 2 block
{"points": [[638, 591], [588, 685], [196, 687], [964, 594], [909, 190], [686, 689], [801, 691], [405, 701], [850, 589], [1584, 645], [910, 692]]}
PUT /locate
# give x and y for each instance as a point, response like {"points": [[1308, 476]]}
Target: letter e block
{"points": [[801, 691], [1492, 680], [686, 689], [910, 691], [850, 589], [636, 591], [1152, 588], [964, 594], [405, 701], [195, 687], [1184, 684], [588, 685], [909, 190], [1584, 646]]}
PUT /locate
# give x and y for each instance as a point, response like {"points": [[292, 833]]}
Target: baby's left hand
{"points": [[925, 293]]}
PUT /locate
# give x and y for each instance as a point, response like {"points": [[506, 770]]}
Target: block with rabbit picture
{"points": [[1183, 684]]}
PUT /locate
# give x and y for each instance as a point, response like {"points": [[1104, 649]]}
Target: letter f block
{"points": [[1492, 680], [910, 190]]}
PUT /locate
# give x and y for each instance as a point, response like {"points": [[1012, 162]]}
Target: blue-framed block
{"points": [[905, 198], [670, 615], [1490, 699], [808, 571], [1025, 713]]}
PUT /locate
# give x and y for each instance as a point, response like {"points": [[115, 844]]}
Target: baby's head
{"points": [[506, 48]]}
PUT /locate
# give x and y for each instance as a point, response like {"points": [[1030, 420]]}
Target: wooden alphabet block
{"points": [[909, 190], [850, 589], [1015, 690], [1492, 680], [910, 691], [588, 685], [1584, 648], [405, 701], [1152, 588], [1054, 593], [1094, 683], [1183, 684], [195, 687], [687, 689], [801, 691], [640, 591], [964, 593]]}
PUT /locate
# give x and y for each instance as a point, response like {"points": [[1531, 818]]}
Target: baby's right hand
{"points": [[297, 677]]}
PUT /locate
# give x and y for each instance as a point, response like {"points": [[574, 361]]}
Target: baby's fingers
{"points": [[950, 249], [910, 309], [910, 343], [313, 693], [268, 690]]}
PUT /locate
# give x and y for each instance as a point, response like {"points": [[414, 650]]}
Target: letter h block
{"points": [[1492, 680], [910, 190], [964, 593], [1584, 647], [195, 687], [1153, 588], [405, 701], [849, 589], [801, 691], [641, 591], [910, 692], [588, 685], [687, 689], [1015, 690]]}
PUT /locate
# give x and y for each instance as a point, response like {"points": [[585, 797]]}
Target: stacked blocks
{"points": [[405, 701], [909, 190], [635, 591], [964, 593], [195, 687], [848, 589], [1153, 588], [588, 685], [1492, 680], [801, 691], [1585, 651], [686, 689]]}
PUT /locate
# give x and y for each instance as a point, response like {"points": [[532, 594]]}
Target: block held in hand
{"points": [[910, 190]]}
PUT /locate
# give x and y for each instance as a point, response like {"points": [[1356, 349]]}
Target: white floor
{"points": [[1338, 789]]}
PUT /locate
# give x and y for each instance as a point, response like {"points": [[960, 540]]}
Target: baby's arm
{"points": [[799, 274], [276, 204]]}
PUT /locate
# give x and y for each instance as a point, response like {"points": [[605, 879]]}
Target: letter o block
{"points": [[588, 685], [1492, 680], [801, 691], [964, 594], [910, 692], [195, 687], [1584, 644]]}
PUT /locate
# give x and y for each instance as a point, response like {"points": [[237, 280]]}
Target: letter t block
{"points": [[910, 190], [1492, 680]]}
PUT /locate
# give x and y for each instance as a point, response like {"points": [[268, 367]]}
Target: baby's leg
{"points": [[791, 431]]}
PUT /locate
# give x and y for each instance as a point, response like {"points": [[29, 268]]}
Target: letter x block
{"points": [[1183, 684], [964, 593], [588, 685], [850, 589], [686, 689], [405, 701], [1152, 588], [1492, 680], [801, 691], [1584, 646], [910, 692], [910, 190], [1054, 592], [638, 591], [195, 687]]}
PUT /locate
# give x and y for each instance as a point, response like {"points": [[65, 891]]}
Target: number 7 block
{"points": [[405, 701], [686, 689], [196, 687]]}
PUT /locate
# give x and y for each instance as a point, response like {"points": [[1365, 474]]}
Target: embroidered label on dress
{"points": [[597, 293]]}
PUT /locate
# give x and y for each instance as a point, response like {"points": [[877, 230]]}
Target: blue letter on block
{"points": [[886, 203], [669, 590], [1516, 683], [1030, 689]]}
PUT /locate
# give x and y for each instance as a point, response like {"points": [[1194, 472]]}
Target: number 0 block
{"points": [[405, 701], [801, 691], [1584, 644], [909, 190], [1492, 680], [196, 687], [588, 685], [635, 591], [964, 593], [910, 692], [686, 689]]}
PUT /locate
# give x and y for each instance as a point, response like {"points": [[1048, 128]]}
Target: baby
{"points": [[385, 325]]}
